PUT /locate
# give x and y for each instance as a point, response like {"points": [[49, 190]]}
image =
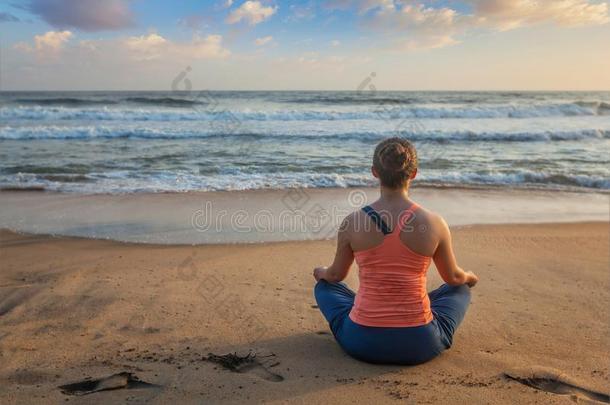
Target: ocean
{"points": [[126, 142]]}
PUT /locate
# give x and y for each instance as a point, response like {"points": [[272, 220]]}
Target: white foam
{"points": [[215, 113]]}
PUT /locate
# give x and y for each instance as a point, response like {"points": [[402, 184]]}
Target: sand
{"points": [[272, 215], [72, 309]]}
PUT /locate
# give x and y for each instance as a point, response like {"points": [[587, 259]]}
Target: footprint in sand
{"points": [[249, 363], [16, 296], [554, 382], [118, 381]]}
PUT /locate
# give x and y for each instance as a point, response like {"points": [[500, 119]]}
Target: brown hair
{"points": [[395, 161]]}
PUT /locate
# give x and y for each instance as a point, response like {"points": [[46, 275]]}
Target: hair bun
{"points": [[394, 157], [395, 161]]}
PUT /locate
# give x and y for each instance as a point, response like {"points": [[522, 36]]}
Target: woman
{"points": [[392, 319]]}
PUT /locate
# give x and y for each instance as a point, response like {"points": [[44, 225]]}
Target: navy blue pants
{"points": [[393, 345]]}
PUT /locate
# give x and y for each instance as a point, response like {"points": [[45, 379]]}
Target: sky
{"points": [[305, 45]]}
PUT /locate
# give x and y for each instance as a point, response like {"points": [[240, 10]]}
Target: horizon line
{"points": [[319, 90]]}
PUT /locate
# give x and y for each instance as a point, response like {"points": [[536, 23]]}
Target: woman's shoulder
{"points": [[353, 219], [429, 217]]}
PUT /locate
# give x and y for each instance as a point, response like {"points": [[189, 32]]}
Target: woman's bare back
{"points": [[421, 231]]}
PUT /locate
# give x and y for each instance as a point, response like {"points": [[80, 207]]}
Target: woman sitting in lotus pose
{"points": [[393, 319]]}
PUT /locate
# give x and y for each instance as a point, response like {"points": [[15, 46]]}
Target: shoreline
{"points": [[425, 186], [76, 308], [278, 243], [254, 216]]}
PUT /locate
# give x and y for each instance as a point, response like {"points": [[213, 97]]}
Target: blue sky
{"points": [[411, 45]]}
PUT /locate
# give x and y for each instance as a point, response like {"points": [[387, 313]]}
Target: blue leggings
{"points": [[393, 345]]}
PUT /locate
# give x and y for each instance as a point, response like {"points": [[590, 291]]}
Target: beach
{"points": [[158, 246], [73, 309], [174, 176]]}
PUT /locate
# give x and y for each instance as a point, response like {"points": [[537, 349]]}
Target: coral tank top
{"points": [[392, 277]]}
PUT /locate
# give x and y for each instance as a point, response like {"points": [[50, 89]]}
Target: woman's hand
{"points": [[471, 279], [319, 273]]}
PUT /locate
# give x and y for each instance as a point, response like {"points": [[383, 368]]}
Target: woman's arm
{"points": [[445, 261], [344, 257]]}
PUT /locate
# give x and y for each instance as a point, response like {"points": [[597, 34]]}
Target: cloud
{"points": [[335, 42], [46, 45], [145, 42], [367, 5], [52, 40], [147, 47], [209, 47], [86, 15], [427, 42], [423, 27], [154, 46], [419, 26], [363, 6], [510, 14], [251, 11], [7, 17], [414, 17], [228, 3], [263, 41]]}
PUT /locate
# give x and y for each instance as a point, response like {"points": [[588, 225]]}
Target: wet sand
{"points": [[271, 215], [147, 317]]}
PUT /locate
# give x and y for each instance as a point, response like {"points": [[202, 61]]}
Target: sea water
{"points": [[124, 142]]}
